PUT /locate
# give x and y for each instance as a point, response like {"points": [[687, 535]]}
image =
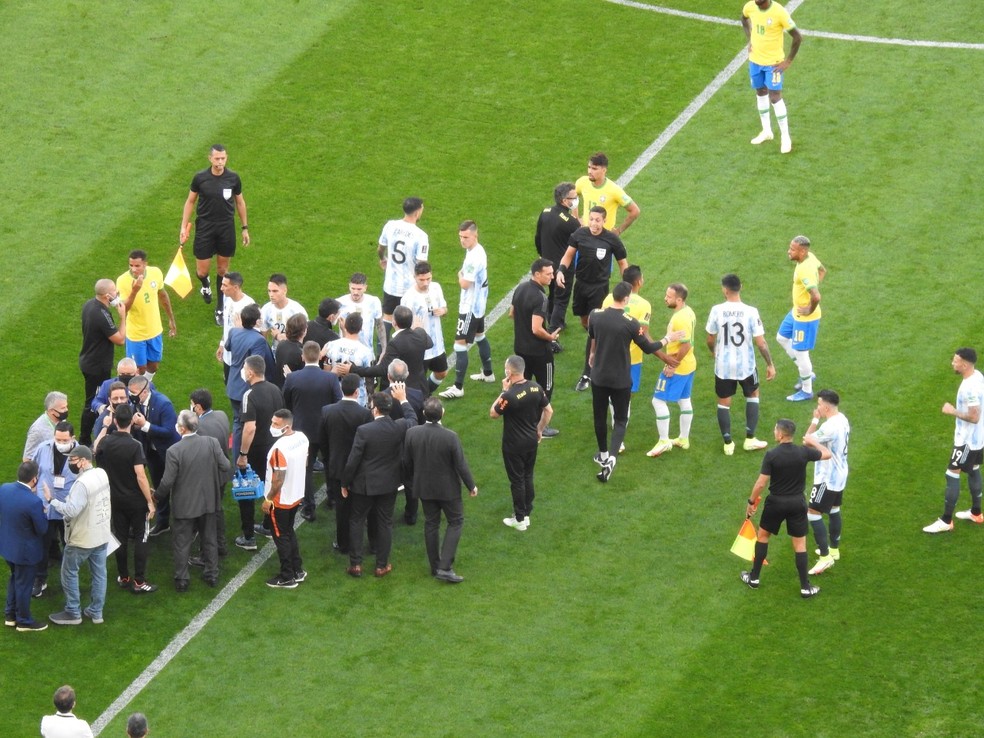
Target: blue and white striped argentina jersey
{"points": [[406, 244], [423, 304], [350, 351], [475, 270], [835, 433], [736, 325], [970, 394]]}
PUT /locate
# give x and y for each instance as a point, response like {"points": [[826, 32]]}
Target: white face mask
{"points": [[574, 203], [276, 432], [242, 373], [64, 448]]}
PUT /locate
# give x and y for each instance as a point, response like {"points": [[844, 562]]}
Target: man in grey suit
{"points": [[214, 423], [372, 475], [194, 472], [434, 461]]}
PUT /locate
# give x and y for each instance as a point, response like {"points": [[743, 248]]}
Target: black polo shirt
{"points": [[528, 300], [553, 232], [593, 262]]}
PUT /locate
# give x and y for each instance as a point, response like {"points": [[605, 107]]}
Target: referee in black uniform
{"points": [[531, 340], [610, 331], [554, 228], [594, 247], [218, 191], [784, 472]]}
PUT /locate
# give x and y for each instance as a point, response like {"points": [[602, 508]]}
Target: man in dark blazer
{"points": [[435, 463], [214, 423], [22, 528], [372, 476], [336, 435], [153, 425], [193, 477], [406, 343], [398, 372], [306, 392]]}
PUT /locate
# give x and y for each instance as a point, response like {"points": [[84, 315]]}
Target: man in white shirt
{"points": [[829, 476], [274, 315], [426, 300], [368, 306], [284, 491], [63, 724]]}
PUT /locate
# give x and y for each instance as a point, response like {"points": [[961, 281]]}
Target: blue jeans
{"points": [[72, 560]]}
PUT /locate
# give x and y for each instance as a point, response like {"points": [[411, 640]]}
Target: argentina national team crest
{"points": [[227, 193]]}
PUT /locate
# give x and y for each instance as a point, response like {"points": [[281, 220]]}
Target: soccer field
{"points": [[619, 612]]}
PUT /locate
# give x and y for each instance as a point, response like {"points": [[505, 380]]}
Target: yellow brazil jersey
{"points": [[683, 319], [609, 196], [805, 278], [767, 29], [640, 309], [143, 319]]}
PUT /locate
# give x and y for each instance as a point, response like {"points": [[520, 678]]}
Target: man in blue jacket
{"points": [[22, 529]]}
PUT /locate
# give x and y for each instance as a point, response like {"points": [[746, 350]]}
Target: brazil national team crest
{"points": [[227, 193]]}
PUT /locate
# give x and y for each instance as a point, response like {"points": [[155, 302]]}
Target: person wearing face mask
{"points": [[87, 514], [554, 228], [153, 425], [100, 335], [53, 471], [22, 527], [195, 472], [106, 422], [126, 370], [284, 491], [122, 457], [42, 430]]}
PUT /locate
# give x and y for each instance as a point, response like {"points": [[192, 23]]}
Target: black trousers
{"points": [[285, 539], [309, 488], [541, 369], [127, 520], [619, 399], [92, 384], [247, 508], [442, 556], [19, 592], [381, 508], [519, 465], [53, 541]]}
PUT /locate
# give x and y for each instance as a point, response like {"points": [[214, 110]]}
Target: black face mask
{"points": [[135, 399], [125, 378], [63, 416], [74, 467]]}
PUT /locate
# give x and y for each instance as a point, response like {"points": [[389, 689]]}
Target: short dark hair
{"points": [[256, 364], [296, 327], [64, 425], [967, 354], [310, 351], [138, 254], [731, 282], [787, 428], [351, 384], [234, 278], [403, 317], [64, 699], [680, 289], [516, 364], [632, 274], [27, 471], [433, 409], [117, 385], [829, 396], [203, 397], [383, 402], [539, 265], [599, 159], [123, 415], [422, 267], [217, 147], [278, 278], [412, 205], [802, 241], [599, 209], [359, 278], [285, 415], [622, 291], [249, 316], [328, 307], [467, 225], [353, 323], [136, 725], [561, 190]]}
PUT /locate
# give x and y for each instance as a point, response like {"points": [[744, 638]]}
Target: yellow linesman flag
{"points": [[744, 545], [178, 278]]}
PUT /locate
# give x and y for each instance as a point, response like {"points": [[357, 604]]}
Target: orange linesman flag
{"points": [[178, 278], [744, 545]]}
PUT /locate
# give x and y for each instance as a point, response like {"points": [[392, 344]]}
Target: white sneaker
{"points": [[754, 444], [968, 515], [452, 393], [729, 449], [621, 448], [762, 138], [824, 563], [786, 145], [835, 553], [662, 446], [482, 377], [938, 526], [517, 524]]}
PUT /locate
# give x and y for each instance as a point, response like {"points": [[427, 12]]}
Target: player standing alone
{"points": [[402, 245], [829, 476], [764, 22]]}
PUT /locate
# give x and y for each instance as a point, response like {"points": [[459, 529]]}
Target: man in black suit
{"points": [[22, 527], [434, 461], [336, 435], [407, 343], [398, 372], [153, 425], [321, 328], [372, 476], [306, 391], [194, 474]]}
